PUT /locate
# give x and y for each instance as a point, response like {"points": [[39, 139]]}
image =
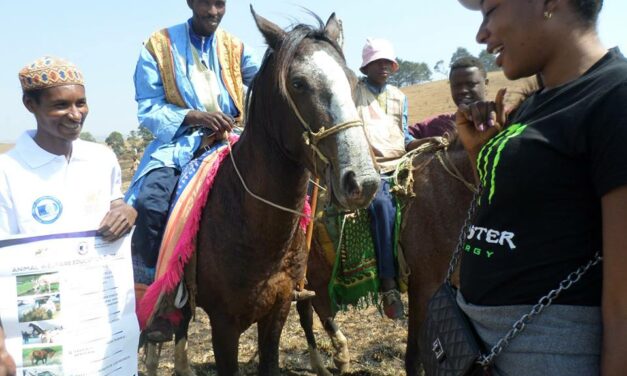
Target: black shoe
{"points": [[161, 330], [392, 304]]}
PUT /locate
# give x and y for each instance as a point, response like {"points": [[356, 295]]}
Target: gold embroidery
{"points": [[159, 47], [230, 56]]}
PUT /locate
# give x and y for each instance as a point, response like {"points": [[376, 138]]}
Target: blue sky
{"points": [[104, 38]]}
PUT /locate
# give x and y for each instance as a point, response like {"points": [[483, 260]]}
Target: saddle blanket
{"points": [[179, 238]]}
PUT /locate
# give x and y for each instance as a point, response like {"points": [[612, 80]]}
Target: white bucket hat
{"points": [[471, 4], [376, 49]]}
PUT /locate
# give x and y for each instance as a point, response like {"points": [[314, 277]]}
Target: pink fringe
{"points": [[183, 250], [186, 247], [304, 221]]}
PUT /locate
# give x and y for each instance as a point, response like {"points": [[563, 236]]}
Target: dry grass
{"points": [[377, 346], [434, 98]]}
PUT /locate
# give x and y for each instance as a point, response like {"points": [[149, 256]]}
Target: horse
{"points": [[36, 329], [301, 120], [431, 222], [41, 355]]}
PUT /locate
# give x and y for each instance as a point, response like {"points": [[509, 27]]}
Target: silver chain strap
{"points": [[545, 301], [462, 235], [486, 360]]}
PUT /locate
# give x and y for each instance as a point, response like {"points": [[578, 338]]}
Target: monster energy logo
{"points": [[491, 152]]}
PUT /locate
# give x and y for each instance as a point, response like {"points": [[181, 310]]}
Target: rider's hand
{"points": [[217, 121], [480, 121], [7, 365], [118, 221]]}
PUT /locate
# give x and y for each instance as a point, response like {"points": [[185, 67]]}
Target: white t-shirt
{"points": [[43, 193]]}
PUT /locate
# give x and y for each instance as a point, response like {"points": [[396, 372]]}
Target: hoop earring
{"points": [[548, 15]]}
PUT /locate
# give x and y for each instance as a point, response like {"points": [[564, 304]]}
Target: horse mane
{"points": [[279, 60]]}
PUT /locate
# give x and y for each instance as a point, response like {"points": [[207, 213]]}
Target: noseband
{"points": [[312, 138]]}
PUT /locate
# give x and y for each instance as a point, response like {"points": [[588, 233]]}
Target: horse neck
{"points": [[269, 174]]}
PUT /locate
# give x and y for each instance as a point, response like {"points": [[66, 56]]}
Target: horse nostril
{"points": [[350, 185], [371, 186]]}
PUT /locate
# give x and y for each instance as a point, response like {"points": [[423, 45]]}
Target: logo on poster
{"points": [[47, 209]]}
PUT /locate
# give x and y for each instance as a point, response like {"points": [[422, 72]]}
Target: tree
{"points": [[458, 54], [116, 142], [86, 136], [440, 68], [410, 73], [488, 60]]}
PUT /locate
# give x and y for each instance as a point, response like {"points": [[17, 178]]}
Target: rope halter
{"points": [[312, 138]]}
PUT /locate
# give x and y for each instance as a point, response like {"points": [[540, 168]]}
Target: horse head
{"points": [[311, 85]]}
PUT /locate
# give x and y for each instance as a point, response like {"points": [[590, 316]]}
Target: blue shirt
{"points": [[174, 144]]}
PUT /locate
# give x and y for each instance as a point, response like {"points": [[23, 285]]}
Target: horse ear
{"points": [[334, 30], [274, 35]]}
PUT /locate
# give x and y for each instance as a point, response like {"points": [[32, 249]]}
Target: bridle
{"points": [[312, 138]]}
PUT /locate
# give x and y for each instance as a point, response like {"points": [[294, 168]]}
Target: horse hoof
{"points": [[317, 364], [343, 365], [341, 358]]}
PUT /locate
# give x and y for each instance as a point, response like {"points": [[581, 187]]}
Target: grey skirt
{"points": [[562, 340]]}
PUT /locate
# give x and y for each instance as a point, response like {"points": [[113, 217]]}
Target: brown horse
{"points": [[301, 118], [42, 355], [431, 224]]}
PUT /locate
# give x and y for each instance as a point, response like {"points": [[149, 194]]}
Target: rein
{"points": [[454, 171], [265, 201], [311, 139], [440, 148]]}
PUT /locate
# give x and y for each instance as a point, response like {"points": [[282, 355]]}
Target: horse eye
{"points": [[298, 84]]}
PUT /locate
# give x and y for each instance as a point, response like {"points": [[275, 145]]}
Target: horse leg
{"points": [[181, 363], [341, 357], [412, 363], [269, 333], [225, 339], [152, 353], [305, 313], [420, 291]]}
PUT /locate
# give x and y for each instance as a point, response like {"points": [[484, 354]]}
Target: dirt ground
{"points": [[376, 344]]}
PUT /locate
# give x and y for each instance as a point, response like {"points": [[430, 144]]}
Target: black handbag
{"points": [[449, 344], [447, 341]]}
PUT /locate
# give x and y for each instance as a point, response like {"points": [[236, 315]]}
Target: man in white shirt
{"points": [[52, 181]]}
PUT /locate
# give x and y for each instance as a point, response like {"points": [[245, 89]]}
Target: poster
{"points": [[68, 305]]}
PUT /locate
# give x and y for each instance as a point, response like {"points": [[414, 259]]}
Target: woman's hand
{"points": [[479, 122]]}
